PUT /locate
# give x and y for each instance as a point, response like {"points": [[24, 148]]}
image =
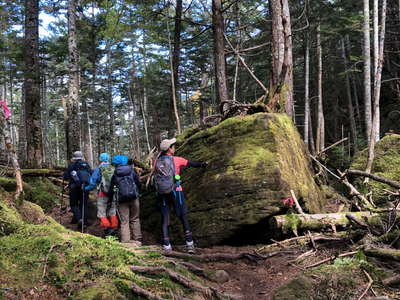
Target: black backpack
{"points": [[80, 175], [164, 174], [125, 182]]}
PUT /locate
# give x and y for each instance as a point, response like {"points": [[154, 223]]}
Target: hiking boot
{"points": [[167, 247], [190, 247]]}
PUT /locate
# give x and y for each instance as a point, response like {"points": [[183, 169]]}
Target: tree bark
{"points": [[367, 71], [173, 84], [307, 115], [352, 120], [320, 138], [110, 103], [219, 52], [281, 82], [74, 130], [375, 128], [177, 46], [33, 123], [316, 221]]}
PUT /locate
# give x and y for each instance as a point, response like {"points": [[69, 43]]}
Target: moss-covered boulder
{"points": [[386, 164], [254, 162]]}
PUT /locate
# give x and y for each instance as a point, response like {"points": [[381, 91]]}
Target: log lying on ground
{"points": [[374, 177], [292, 222], [36, 172], [385, 253]]}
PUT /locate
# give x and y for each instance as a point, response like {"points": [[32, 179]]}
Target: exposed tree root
{"points": [[186, 282], [223, 256], [333, 257], [145, 293], [384, 253]]}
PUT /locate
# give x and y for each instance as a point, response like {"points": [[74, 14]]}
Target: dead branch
{"points": [[331, 146], [374, 177], [186, 282], [333, 257], [145, 293], [362, 224], [370, 281], [222, 256], [354, 191]]}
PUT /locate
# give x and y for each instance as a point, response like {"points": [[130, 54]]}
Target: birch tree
{"points": [[367, 71]]}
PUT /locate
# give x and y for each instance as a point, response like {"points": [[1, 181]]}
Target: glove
{"points": [[204, 164]]}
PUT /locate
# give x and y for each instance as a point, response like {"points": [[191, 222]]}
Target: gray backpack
{"points": [[164, 174]]}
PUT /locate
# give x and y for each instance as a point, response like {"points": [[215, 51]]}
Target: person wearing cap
{"points": [[176, 197], [129, 209], [78, 174], [101, 178]]}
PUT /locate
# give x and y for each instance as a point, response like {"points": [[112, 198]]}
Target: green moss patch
{"points": [[386, 164]]}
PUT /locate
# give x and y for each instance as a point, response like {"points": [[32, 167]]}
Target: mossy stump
{"points": [[254, 162]]}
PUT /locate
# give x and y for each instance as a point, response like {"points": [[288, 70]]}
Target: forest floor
{"points": [[245, 279]]}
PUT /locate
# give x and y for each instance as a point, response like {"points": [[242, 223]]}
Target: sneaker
{"points": [[190, 247], [167, 247]]}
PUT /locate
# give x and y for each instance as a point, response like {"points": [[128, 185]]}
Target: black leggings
{"points": [[178, 201]]}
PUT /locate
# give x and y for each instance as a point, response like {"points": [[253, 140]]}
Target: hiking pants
{"points": [[176, 199], [105, 209], [78, 200], [130, 222]]}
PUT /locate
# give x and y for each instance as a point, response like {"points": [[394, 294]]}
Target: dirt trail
{"points": [[245, 279]]}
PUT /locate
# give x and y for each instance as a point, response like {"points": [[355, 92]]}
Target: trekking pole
{"points": [[83, 206], [62, 198]]}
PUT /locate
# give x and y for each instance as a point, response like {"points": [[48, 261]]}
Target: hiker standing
{"points": [[101, 178], [78, 174], [169, 190], [124, 189]]}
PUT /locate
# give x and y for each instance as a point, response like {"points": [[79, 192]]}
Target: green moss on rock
{"points": [[254, 162], [386, 164]]}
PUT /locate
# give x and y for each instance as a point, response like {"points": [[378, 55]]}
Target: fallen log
{"points": [[317, 222], [385, 253], [35, 172]]}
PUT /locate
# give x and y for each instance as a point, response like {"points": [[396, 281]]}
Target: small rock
{"points": [[220, 276]]}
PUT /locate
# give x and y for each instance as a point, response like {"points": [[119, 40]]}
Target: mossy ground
{"points": [[39, 254], [386, 164], [344, 279]]}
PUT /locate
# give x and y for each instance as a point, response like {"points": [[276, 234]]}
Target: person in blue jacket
{"points": [[106, 211]]}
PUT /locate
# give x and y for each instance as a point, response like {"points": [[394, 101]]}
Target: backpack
{"points": [[125, 182], [164, 174], [106, 174], [80, 175]]}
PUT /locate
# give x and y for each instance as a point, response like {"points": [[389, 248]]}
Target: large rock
{"points": [[386, 164], [254, 162]]}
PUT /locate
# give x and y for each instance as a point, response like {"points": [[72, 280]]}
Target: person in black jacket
{"points": [[124, 189], [78, 174]]}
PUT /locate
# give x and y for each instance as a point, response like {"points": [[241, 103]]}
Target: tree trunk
{"points": [[377, 91], [238, 46], [307, 90], [320, 142], [73, 142], [33, 126], [281, 82], [219, 52], [110, 103], [86, 136], [177, 46], [367, 71], [173, 84], [352, 120]]}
